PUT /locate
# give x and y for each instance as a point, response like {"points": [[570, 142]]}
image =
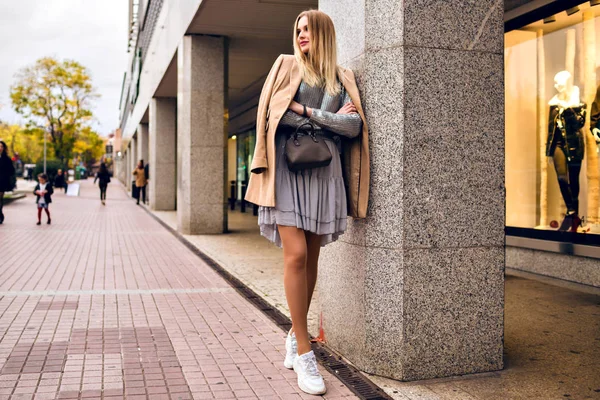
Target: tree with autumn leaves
{"points": [[56, 98]]}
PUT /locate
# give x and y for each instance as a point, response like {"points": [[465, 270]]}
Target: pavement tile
{"points": [[133, 313]]}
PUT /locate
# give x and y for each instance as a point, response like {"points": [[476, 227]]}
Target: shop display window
{"points": [[245, 151], [552, 123]]}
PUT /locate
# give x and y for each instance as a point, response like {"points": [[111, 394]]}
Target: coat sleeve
{"points": [[50, 189], [259, 161]]}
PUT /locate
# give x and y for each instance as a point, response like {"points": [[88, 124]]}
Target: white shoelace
{"points": [[311, 366], [294, 344]]}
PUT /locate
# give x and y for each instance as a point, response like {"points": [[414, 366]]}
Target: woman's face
{"points": [[1, 148], [303, 35]]}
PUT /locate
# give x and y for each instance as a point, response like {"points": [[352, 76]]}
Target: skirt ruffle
{"points": [[313, 200]]}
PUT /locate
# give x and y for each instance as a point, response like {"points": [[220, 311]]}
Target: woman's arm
{"points": [[292, 119], [346, 122]]}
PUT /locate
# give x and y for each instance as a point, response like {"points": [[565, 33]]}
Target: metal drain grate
{"points": [[348, 375]]}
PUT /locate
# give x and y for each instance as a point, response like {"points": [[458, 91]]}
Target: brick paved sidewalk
{"points": [[106, 303]]}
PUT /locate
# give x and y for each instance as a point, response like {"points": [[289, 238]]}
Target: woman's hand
{"points": [[347, 108]]}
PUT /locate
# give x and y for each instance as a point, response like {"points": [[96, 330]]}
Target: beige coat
{"points": [[140, 177], [278, 92]]}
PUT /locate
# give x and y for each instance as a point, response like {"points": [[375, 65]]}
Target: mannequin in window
{"points": [[565, 144], [595, 116]]}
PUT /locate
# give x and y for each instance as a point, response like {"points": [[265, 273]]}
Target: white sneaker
{"points": [[291, 349], [309, 378]]}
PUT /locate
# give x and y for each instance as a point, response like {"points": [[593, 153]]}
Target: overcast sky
{"points": [[92, 32]]}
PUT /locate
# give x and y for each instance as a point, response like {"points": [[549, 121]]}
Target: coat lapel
{"points": [[295, 79]]}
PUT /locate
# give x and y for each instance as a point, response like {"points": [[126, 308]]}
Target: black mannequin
{"points": [[595, 116], [565, 144], [566, 147]]}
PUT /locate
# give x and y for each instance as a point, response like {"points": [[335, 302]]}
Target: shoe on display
{"points": [[309, 378], [291, 350], [575, 223], [567, 223]]}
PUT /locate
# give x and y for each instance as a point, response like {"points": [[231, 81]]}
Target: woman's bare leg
{"points": [[294, 281], [313, 246]]}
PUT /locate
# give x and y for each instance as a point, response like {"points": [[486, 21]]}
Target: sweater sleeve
{"points": [[349, 125], [291, 119]]}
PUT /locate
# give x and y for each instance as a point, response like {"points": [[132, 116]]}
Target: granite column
{"points": [[133, 158], [163, 153], [143, 143], [201, 134], [416, 290]]}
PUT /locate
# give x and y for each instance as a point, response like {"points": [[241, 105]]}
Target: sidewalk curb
{"points": [[358, 383]]}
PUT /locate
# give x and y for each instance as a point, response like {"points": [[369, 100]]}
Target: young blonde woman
{"points": [[304, 210]]}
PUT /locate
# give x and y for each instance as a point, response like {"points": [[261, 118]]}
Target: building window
{"points": [[552, 71], [241, 151]]}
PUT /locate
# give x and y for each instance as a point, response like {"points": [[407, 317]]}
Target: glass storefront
{"points": [[552, 117], [244, 150]]}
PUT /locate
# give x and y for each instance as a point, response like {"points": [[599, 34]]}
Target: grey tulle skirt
{"points": [[313, 200]]}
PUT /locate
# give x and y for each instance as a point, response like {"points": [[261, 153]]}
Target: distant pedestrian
{"points": [[59, 180], [104, 179], [140, 181], [65, 185], [43, 190], [7, 176]]}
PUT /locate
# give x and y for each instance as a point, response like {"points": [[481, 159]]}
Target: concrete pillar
{"points": [[125, 164], [143, 142], [416, 290], [201, 135], [133, 158], [163, 154]]}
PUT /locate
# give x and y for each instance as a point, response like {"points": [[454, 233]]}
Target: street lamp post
{"points": [[44, 152]]}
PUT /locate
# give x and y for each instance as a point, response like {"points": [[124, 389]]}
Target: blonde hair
{"points": [[319, 67]]}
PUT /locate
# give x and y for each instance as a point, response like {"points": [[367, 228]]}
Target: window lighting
{"points": [[572, 10], [549, 19]]}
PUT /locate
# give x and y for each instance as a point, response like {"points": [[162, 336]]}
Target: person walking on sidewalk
{"points": [[59, 180], [43, 190], [140, 181], [66, 181], [104, 177], [304, 209], [7, 176]]}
